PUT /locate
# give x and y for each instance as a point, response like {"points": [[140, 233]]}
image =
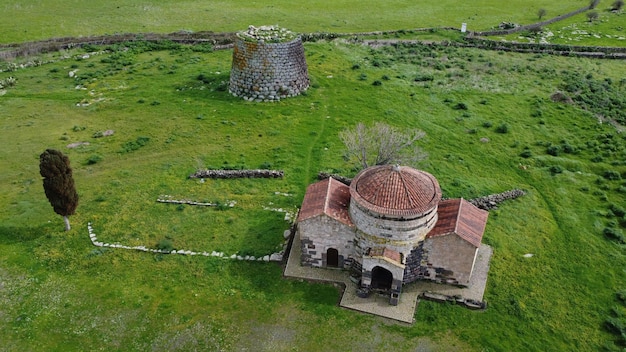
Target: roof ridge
{"points": [[458, 216], [327, 197], [405, 188]]}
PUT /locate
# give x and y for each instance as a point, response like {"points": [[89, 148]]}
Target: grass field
{"points": [[490, 126], [58, 284], [35, 20]]}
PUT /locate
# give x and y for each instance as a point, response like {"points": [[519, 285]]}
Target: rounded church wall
{"points": [[411, 230]]}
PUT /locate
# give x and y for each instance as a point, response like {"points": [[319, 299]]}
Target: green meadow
{"points": [[28, 20], [491, 126]]}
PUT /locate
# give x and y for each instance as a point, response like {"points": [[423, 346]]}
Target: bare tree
{"points": [[592, 16], [58, 183], [593, 4], [617, 5], [542, 12], [382, 144]]}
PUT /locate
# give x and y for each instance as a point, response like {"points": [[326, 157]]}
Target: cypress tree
{"points": [[58, 183]]}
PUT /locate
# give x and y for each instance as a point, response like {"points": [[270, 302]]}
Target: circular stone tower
{"points": [[393, 207], [268, 64]]}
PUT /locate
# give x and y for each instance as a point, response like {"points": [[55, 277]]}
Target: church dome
{"points": [[395, 191]]}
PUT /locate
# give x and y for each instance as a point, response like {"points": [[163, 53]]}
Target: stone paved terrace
{"points": [[378, 304]]}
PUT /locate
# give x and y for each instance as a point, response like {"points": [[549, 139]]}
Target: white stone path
{"points": [[274, 257]]}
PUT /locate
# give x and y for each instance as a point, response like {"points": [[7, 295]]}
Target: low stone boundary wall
{"points": [[469, 303], [491, 201], [258, 173], [533, 25], [274, 257]]}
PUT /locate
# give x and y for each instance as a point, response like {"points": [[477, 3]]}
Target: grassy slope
{"points": [[59, 294], [35, 20]]}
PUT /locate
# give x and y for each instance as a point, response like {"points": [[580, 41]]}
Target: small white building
{"points": [[391, 226]]}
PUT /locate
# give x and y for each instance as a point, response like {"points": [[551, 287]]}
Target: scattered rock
{"points": [[560, 97], [77, 144]]}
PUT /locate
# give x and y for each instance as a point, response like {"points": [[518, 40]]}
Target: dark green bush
{"points": [[94, 159], [460, 106], [612, 175], [526, 154], [613, 234], [134, 145], [617, 210], [165, 245], [423, 78], [554, 150], [555, 169], [503, 128]]}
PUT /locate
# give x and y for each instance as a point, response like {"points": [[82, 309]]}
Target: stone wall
{"points": [[268, 71], [257, 173], [320, 233], [450, 259], [406, 231]]}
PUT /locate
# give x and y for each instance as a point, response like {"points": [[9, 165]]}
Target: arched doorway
{"points": [[332, 258], [381, 278]]}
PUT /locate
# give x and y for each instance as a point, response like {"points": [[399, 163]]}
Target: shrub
{"points": [[487, 124], [568, 148], [424, 78], [555, 169], [503, 128], [617, 210], [526, 154], [613, 234], [134, 145], [94, 159], [612, 175], [617, 5], [377, 83], [460, 106], [554, 150], [165, 245]]}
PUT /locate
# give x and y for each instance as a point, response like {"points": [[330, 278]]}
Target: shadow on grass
{"points": [[13, 234]]}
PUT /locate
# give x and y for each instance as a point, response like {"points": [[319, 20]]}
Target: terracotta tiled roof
{"points": [[462, 218], [329, 197], [385, 253], [395, 190]]}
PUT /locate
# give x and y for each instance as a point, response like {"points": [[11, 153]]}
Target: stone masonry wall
{"points": [[268, 71], [320, 233]]}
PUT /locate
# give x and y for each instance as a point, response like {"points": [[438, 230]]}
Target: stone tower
{"points": [[268, 65], [393, 209]]}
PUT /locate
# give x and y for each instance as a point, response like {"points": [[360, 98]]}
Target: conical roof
{"points": [[398, 191]]}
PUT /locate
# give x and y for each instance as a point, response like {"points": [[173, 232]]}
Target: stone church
{"points": [[390, 227]]}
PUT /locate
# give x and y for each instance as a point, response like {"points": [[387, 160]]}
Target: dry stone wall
{"points": [[264, 72]]}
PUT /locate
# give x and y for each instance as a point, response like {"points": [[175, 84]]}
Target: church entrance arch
{"points": [[381, 278], [332, 258]]}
